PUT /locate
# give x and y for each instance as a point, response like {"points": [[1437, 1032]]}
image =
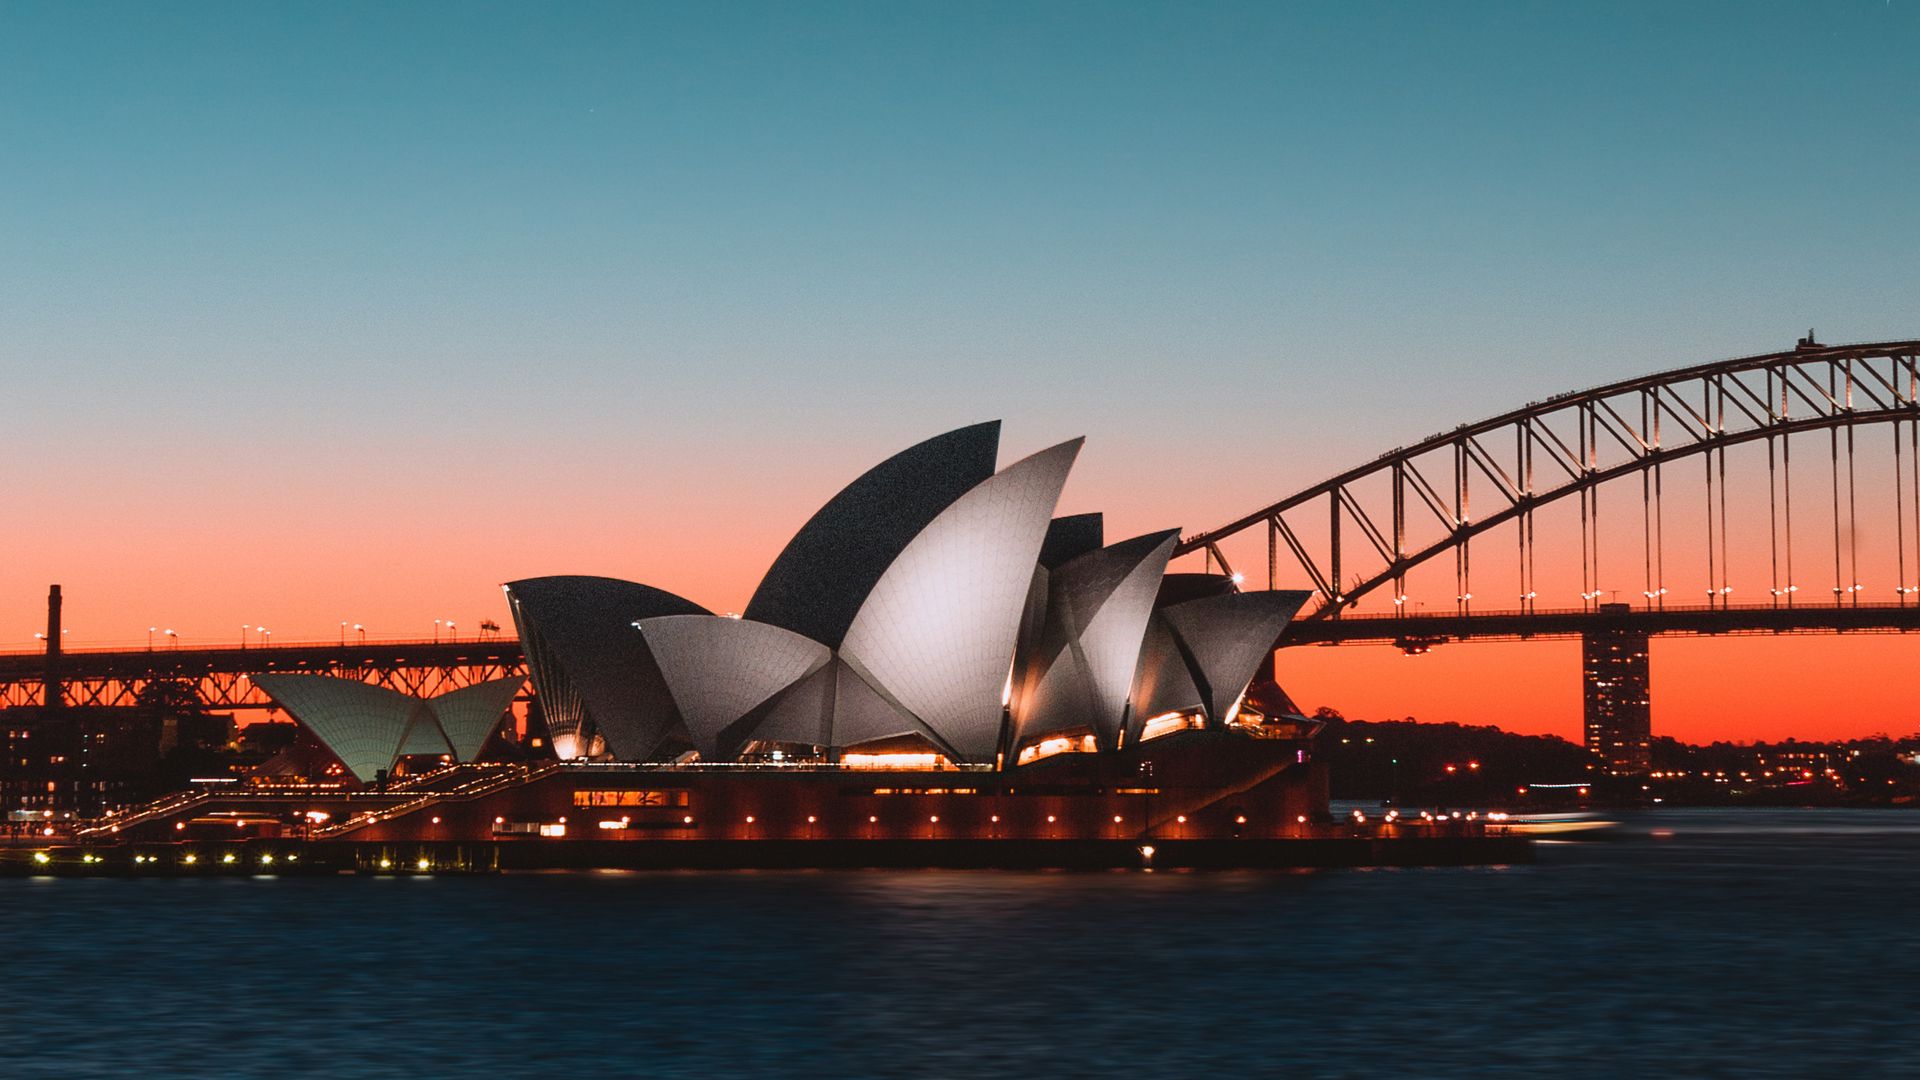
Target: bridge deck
{"points": [[221, 675], [187, 662], [1669, 621], [414, 662]]}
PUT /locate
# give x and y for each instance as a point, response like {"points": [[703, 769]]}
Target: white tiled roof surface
{"points": [[939, 628]]}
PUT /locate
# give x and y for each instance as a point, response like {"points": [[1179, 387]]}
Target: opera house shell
{"points": [[934, 610], [371, 728]]}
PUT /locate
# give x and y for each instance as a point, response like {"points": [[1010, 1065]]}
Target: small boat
{"points": [[1572, 826]]}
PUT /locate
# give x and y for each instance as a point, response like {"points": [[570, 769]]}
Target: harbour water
{"points": [[1730, 943]]}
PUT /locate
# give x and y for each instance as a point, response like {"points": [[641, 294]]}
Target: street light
{"points": [[436, 631], [243, 634], [451, 636], [362, 631], [175, 642], [150, 632], [343, 631]]}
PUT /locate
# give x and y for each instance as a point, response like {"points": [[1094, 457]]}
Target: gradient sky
{"points": [[353, 311]]}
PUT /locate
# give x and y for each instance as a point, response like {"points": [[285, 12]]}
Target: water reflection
{"points": [[1737, 943]]}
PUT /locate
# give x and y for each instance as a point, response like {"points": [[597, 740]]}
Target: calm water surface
{"points": [[1710, 943]]}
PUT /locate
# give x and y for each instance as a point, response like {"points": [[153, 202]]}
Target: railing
{"points": [[1433, 627], [771, 766], [505, 776], [188, 645], [164, 806]]}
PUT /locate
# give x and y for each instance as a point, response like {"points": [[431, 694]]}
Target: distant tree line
{"points": [[1448, 764]]}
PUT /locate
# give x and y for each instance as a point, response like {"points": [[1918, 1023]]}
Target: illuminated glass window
{"points": [[669, 798]]}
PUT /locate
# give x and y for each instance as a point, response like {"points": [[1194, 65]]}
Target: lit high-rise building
{"points": [[1619, 712]]}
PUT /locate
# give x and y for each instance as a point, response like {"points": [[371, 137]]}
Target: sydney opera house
{"points": [[933, 654]]}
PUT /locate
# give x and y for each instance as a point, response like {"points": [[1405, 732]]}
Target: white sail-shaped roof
{"points": [[863, 714], [589, 668], [1226, 637], [469, 715], [362, 724], [827, 570], [1098, 607], [1161, 684], [1071, 537], [424, 734], [719, 669], [802, 713], [835, 706], [937, 631], [370, 727]]}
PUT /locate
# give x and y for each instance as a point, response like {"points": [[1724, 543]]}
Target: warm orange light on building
{"points": [[893, 761], [1065, 744], [1167, 724]]}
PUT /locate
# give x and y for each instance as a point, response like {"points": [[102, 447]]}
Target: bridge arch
{"points": [[1572, 444]]}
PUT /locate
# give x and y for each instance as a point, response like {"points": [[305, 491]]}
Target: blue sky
{"points": [[726, 207]]}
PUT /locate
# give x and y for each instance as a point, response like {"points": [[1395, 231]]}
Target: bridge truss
{"points": [[222, 677], [1799, 418]]}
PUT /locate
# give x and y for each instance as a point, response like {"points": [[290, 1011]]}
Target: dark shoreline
{"points": [[306, 858]]}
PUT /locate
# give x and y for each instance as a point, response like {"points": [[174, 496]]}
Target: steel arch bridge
{"points": [[1668, 438], [1367, 529]]}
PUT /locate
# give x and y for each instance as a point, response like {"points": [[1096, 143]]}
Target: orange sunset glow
{"points": [[310, 541]]}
